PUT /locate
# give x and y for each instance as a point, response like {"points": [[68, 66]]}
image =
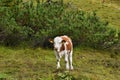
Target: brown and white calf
{"points": [[63, 46]]}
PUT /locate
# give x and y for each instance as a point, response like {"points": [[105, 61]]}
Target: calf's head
{"points": [[58, 43]]}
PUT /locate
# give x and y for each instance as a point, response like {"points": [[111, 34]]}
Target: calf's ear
{"points": [[63, 41], [51, 40]]}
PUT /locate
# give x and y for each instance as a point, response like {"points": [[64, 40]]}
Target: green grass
{"points": [[40, 64]]}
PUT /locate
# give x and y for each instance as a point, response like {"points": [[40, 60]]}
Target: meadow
{"points": [[40, 64]]}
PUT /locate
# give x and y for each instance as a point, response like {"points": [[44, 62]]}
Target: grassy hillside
{"points": [[40, 64], [108, 11]]}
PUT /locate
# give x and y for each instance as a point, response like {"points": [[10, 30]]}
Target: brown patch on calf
{"points": [[62, 47], [69, 45]]}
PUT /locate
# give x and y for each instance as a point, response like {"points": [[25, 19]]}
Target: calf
{"points": [[63, 46]]}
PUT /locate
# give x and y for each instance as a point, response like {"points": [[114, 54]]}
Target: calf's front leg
{"points": [[58, 59], [58, 63]]}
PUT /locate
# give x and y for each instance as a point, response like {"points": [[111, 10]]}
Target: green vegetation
{"points": [[25, 22], [40, 64]]}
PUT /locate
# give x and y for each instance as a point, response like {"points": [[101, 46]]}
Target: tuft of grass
{"points": [[2, 76]]}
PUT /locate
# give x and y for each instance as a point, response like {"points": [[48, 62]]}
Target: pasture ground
{"points": [[40, 64]]}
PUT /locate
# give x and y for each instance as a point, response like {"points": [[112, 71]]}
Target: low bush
{"points": [[37, 23]]}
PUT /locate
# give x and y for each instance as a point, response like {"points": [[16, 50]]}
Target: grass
{"points": [[40, 64]]}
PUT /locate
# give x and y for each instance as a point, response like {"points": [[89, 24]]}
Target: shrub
{"points": [[10, 32], [36, 23]]}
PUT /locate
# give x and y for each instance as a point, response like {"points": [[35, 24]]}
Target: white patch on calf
{"points": [[57, 43]]}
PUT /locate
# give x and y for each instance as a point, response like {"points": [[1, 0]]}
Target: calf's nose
{"points": [[55, 49]]}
